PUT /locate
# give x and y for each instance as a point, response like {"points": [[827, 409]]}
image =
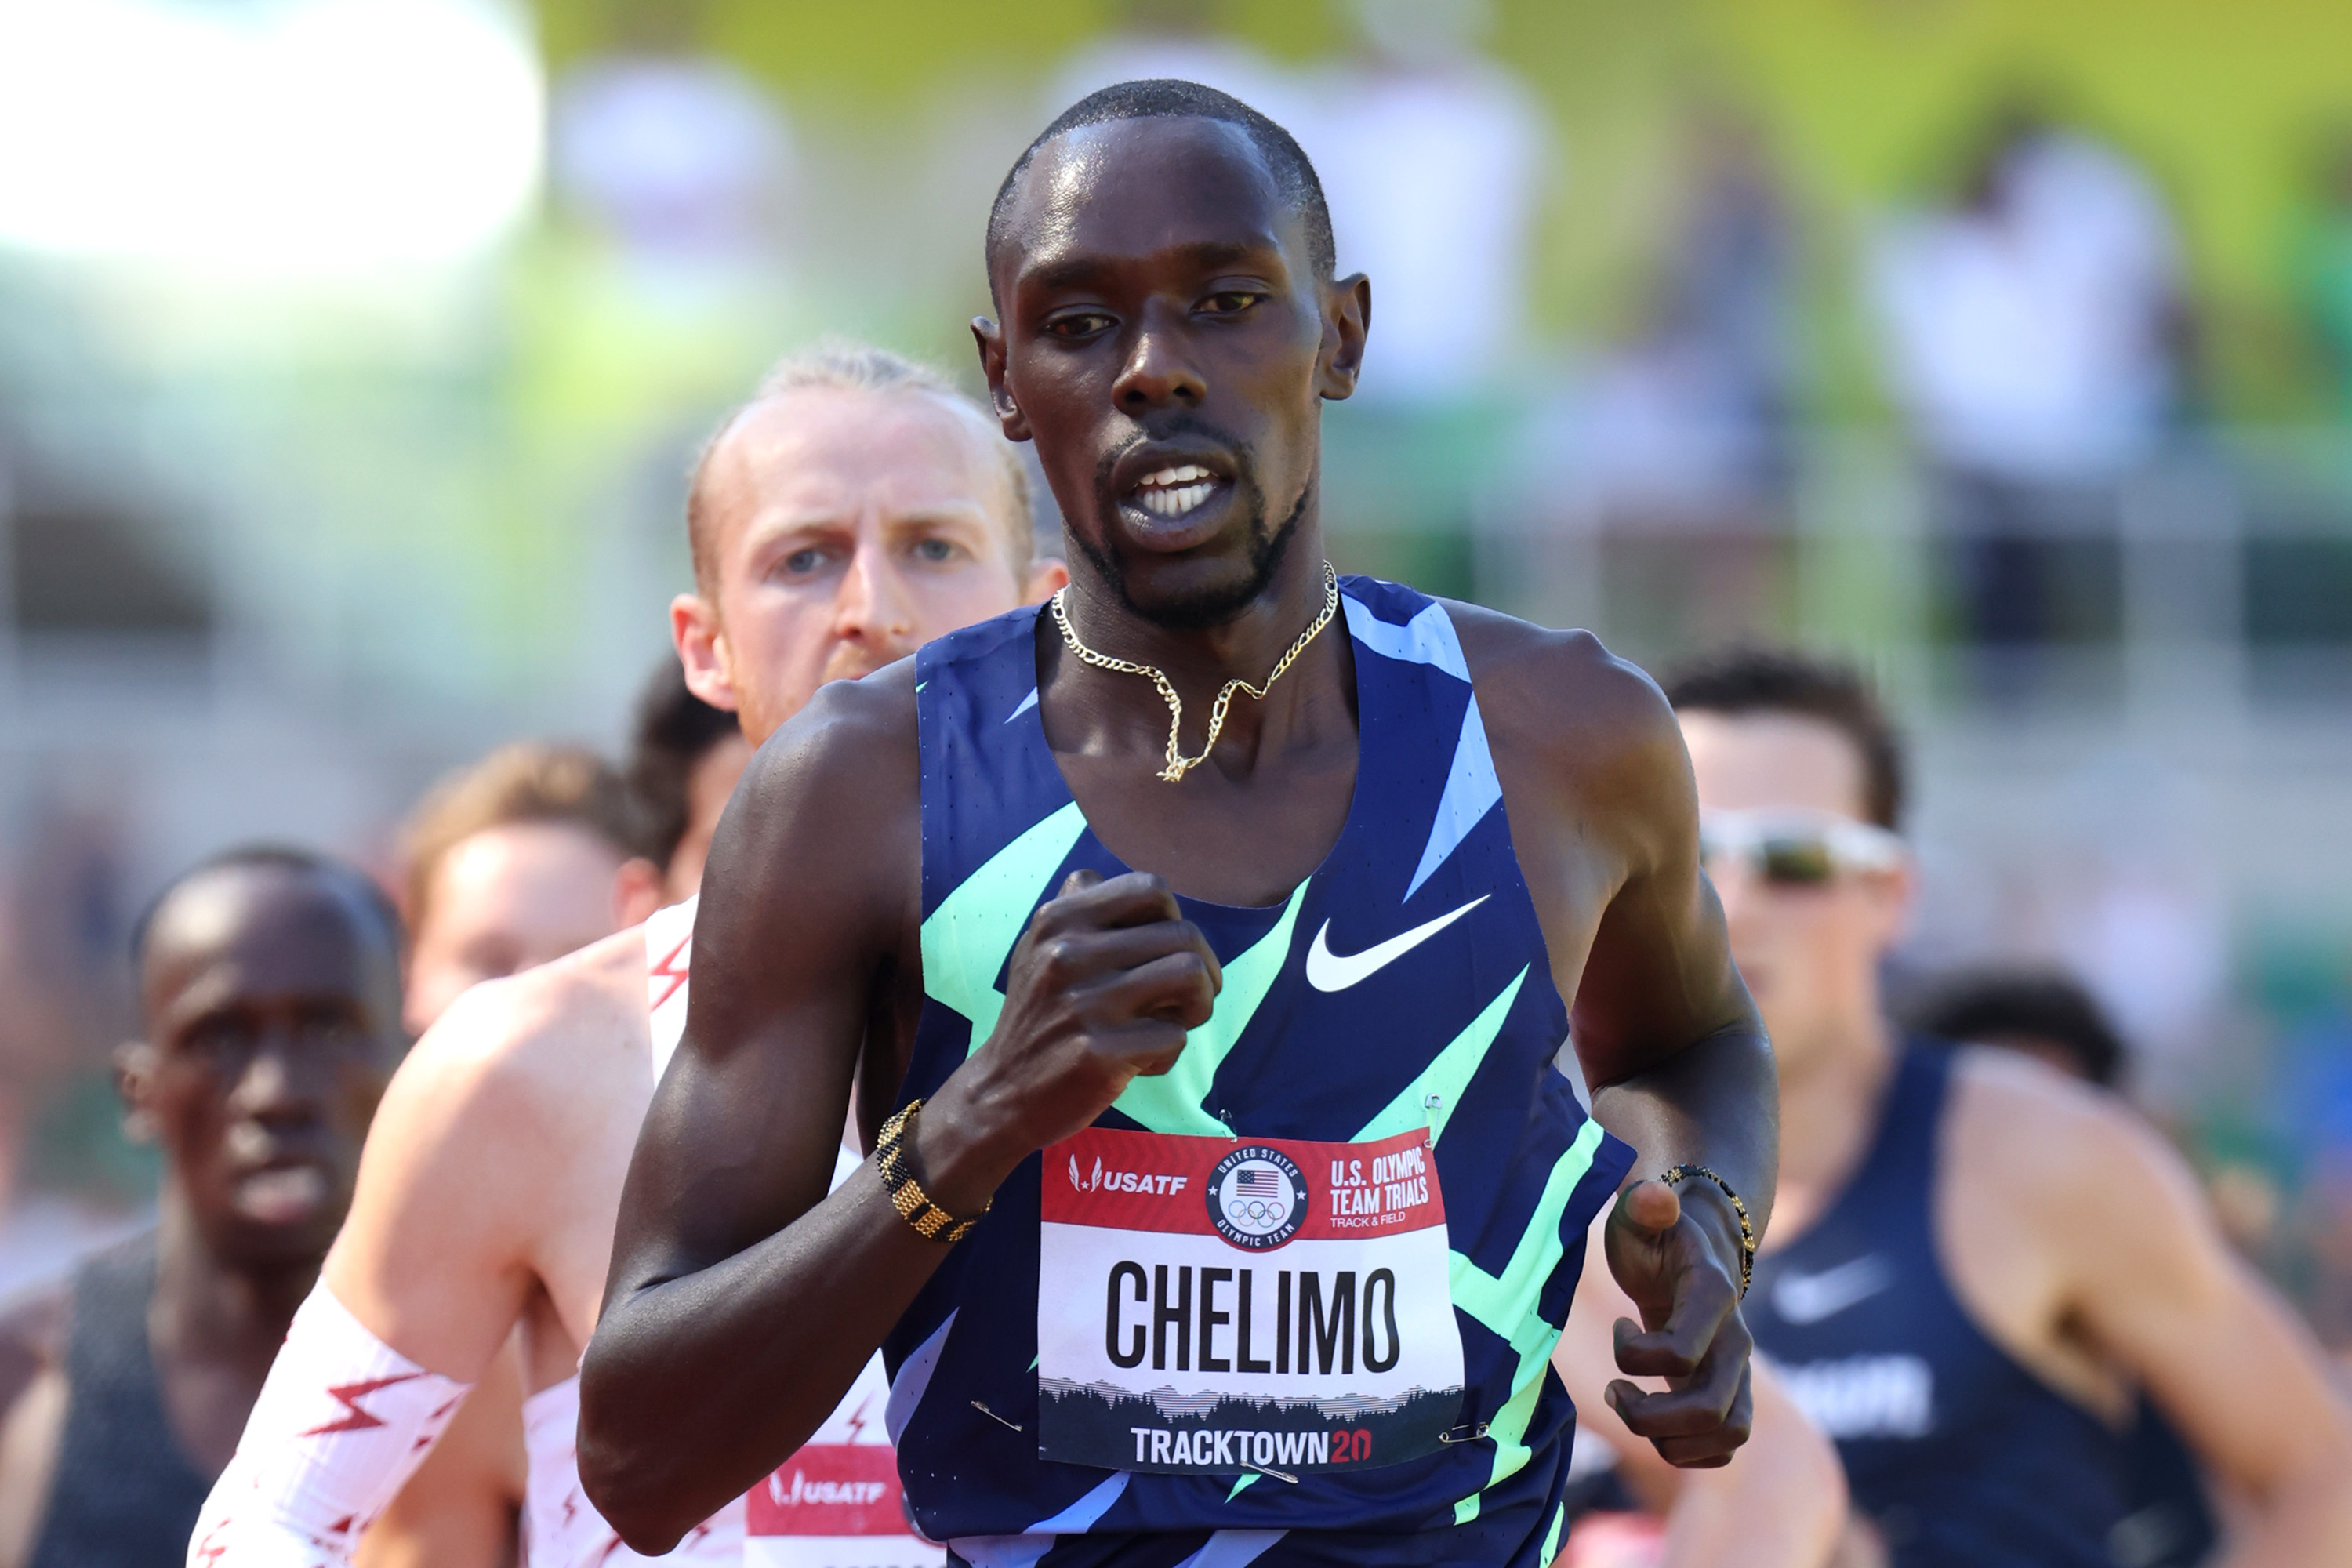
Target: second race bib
{"points": [[1215, 1305]]}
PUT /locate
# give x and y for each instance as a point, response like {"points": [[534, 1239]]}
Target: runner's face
{"points": [[506, 900], [851, 528], [273, 1020], [1166, 344], [1810, 954]]}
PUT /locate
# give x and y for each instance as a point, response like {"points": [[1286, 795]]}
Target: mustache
{"points": [[1167, 427]]}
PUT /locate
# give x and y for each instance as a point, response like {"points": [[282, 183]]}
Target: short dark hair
{"points": [[365, 892], [1164, 99], [1759, 680], [675, 730], [1996, 1006]]}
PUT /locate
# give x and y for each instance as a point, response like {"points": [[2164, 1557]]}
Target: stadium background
{"points": [[345, 406]]}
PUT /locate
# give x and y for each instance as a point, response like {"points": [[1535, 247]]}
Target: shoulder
{"points": [[828, 809], [535, 1051], [850, 731], [1592, 728], [1561, 691], [2069, 1161]]}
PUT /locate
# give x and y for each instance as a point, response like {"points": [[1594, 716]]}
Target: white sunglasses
{"points": [[1796, 848]]}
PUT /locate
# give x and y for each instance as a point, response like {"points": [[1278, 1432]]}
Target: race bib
{"points": [[836, 1503], [1216, 1305]]}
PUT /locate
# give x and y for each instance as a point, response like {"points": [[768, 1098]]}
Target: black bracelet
{"points": [[1681, 1173]]}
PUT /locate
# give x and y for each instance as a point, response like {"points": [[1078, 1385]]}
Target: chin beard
{"points": [[1212, 606]]}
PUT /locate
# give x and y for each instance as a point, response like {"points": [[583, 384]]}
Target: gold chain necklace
{"points": [[1178, 764]]}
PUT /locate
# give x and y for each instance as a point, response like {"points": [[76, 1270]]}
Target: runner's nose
{"points": [[1158, 372], [874, 604]]}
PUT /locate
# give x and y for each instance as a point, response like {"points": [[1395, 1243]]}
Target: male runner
{"points": [[1976, 1260], [269, 1002], [529, 853], [856, 507], [2168, 1520], [1340, 1221]]}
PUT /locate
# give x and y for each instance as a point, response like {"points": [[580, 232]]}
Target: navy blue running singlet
{"points": [[1295, 1301], [1963, 1457]]}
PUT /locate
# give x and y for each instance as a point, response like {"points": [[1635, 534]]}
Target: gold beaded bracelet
{"points": [[931, 1222], [1682, 1173]]}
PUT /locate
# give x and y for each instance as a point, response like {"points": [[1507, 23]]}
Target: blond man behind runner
{"points": [[855, 509]]}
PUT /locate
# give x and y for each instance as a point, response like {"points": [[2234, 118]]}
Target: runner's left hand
{"points": [[1691, 1332]]}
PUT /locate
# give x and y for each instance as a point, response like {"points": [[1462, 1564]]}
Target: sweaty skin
{"points": [[2073, 1237], [847, 527], [1159, 312]]}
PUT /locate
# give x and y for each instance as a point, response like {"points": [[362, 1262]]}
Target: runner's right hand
{"points": [[1100, 991]]}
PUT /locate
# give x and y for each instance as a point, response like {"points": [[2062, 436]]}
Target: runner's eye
{"points": [[937, 550], [1797, 862], [1077, 326], [1229, 302]]}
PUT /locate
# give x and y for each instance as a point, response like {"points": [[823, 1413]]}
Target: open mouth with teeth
{"points": [[1177, 491]]}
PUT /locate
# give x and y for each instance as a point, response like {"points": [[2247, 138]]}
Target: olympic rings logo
{"points": [[1258, 1196]]}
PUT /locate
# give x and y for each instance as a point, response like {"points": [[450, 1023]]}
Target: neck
{"points": [[1829, 1094], [206, 1309], [1126, 713], [1242, 646]]}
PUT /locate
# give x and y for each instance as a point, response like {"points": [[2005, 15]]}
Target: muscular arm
{"points": [[1605, 813], [733, 1272], [435, 1257], [2144, 1271]]}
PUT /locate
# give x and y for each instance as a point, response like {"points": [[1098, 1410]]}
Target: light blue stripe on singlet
{"points": [[1026, 1548], [1471, 788], [1472, 791], [1233, 1548], [1427, 638], [1081, 1515], [1026, 703]]}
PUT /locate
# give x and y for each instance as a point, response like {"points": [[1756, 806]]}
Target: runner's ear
{"points": [[636, 892]]}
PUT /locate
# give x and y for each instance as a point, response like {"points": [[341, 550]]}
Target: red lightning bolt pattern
{"points": [[349, 1395], [677, 977]]}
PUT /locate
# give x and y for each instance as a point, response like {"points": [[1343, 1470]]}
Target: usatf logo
{"points": [[1101, 1181], [1257, 1197]]}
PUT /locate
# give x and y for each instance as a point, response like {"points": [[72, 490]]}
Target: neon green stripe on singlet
{"points": [[971, 933], [1446, 1076], [1173, 1103], [1507, 1304]]}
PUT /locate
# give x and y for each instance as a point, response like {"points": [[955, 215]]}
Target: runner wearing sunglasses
{"points": [[1975, 1262]]}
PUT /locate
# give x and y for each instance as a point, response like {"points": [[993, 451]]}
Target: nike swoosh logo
{"points": [[1803, 1299], [1328, 971]]}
